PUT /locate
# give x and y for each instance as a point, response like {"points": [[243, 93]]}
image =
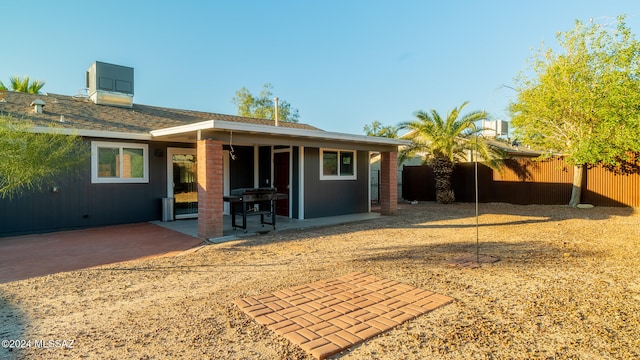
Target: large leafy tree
{"points": [[583, 101], [30, 161], [444, 141], [377, 129], [262, 106], [24, 84]]}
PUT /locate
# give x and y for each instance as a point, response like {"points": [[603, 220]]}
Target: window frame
{"points": [[339, 176], [95, 179]]}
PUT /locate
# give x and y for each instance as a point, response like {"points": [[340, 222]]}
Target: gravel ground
{"points": [[566, 287]]}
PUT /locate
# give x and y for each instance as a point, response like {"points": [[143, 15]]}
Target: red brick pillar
{"points": [[126, 166], [388, 183], [210, 189]]}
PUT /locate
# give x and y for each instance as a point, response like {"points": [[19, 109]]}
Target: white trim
{"points": [[203, 125], [226, 182], [369, 181], [170, 152], [301, 183], [119, 180], [354, 176], [276, 130], [91, 133], [226, 126]]}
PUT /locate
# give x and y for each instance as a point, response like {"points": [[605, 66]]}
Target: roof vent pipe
{"points": [[276, 110], [37, 104]]}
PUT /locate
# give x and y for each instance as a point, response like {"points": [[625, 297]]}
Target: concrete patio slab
{"points": [[190, 226], [329, 316]]}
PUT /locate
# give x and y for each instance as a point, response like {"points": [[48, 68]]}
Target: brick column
{"points": [[126, 166], [210, 189], [388, 183]]}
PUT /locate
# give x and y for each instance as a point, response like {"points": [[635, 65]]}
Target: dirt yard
{"points": [[566, 287]]}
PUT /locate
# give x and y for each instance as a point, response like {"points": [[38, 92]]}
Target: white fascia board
{"points": [[277, 130], [91, 133], [203, 125]]}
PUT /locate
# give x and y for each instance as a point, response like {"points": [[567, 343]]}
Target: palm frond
{"points": [[35, 87], [19, 84], [447, 137]]}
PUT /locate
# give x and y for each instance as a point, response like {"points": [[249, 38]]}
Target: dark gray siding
{"points": [[264, 166], [334, 197], [79, 203], [241, 169]]}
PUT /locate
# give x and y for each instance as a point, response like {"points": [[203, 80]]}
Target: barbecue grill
{"points": [[253, 201]]}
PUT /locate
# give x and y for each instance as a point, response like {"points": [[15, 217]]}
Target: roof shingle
{"points": [[82, 114]]}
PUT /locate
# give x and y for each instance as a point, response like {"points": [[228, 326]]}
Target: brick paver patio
{"points": [[22, 257], [328, 316]]}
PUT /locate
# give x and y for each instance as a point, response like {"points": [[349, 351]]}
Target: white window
{"points": [[337, 164], [119, 162]]}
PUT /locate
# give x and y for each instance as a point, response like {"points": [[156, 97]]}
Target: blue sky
{"points": [[342, 64]]}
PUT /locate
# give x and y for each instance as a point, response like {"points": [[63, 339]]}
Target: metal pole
{"points": [[477, 222]]}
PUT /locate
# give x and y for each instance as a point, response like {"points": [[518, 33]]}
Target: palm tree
{"points": [[19, 84], [377, 129], [443, 142]]}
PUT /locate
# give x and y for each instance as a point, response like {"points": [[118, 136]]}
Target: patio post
{"points": [[210, 189], [388, 182]]}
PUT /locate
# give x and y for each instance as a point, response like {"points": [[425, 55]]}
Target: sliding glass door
{"points": [[182, 181]]}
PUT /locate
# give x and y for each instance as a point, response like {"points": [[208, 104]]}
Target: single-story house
{"points": [[143, 154]]}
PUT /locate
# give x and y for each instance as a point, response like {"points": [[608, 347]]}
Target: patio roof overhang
{"points": [[252, 134], [92, 133]]}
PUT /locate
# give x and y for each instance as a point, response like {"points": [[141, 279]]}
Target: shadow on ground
{"points": [[452, 216], [534, 253], [12, 325]]}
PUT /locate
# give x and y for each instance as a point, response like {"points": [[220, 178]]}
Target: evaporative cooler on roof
{"points": [[494, 128], [110, 84]]}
